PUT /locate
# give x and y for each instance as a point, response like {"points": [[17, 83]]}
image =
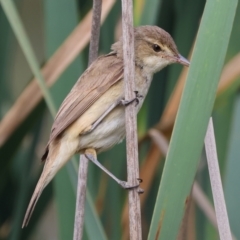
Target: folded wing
{"points": [[97, 79]]}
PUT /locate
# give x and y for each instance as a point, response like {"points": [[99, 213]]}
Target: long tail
{"points": [[56, 158], [42, 183]]}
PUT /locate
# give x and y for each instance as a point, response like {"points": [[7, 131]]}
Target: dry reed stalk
{"points": [[216, 184], [83, 162], [131, 120]]}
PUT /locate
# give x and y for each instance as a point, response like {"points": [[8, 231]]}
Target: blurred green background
{"points": [[48, 23]]}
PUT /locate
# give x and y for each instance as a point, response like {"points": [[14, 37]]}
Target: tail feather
{"points": [[37, 193], [46, 176], [56, 158]]}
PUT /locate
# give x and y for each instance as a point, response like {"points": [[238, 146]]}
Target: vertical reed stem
{"points": [[131, 123], [83, 164]]}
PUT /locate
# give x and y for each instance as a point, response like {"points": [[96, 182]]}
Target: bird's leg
{"points": [[95, 124], [92, 156], [115, 104]]}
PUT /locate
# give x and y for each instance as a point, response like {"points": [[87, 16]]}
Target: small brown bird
{"points": [[91, 119]]}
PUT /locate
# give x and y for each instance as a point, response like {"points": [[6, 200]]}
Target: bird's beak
{"points": [[182, 60]]}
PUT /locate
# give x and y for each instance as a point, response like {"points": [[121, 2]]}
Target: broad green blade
{"points": [[232, 177], [192, 119]]}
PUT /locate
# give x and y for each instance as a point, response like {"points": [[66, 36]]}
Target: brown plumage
{"points": [[85, 92], [91, 119]]}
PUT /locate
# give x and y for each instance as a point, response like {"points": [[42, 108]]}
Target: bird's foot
{"points": [[126, 185], [137, 99]]}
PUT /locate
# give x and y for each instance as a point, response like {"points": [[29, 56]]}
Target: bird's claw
{"points": [[140, 180], [137, 99], [126, 185]]}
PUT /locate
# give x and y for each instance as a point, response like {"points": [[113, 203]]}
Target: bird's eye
{"points": [[156, 48]]}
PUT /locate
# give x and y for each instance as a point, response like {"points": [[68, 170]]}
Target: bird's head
{"points": [[154, 48]]}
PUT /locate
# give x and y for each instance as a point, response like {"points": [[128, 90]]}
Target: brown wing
{"points": [[96, 80]]}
